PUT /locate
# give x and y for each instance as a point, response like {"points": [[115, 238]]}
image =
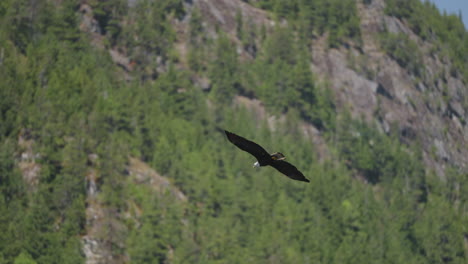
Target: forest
{"points": [[71, 117]]}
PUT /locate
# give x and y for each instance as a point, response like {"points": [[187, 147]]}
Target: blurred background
{"points": [[111, 149]]}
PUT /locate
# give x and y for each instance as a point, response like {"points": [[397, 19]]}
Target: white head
{"points": [[256, 164]]}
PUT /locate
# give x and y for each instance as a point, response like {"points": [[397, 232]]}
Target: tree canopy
{"points": [[69, 113]]}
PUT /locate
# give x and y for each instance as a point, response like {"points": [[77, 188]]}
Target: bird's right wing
{"points": [[246, 145]]}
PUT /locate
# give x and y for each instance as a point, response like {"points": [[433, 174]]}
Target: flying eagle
{"points": [[276, 160]]}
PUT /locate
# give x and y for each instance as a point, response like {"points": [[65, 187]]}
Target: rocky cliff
{"points": [[368, 82]]}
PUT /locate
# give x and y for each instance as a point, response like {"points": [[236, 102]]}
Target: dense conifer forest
{"points": [[72, 121]]}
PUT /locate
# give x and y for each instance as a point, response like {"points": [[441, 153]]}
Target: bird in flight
{"points": [[276, 160]]}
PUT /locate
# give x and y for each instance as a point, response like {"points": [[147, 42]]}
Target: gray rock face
{"points": [[355, 90], [93, 251], [223, 13], [88, 23], [432, 111], [30, 169]]}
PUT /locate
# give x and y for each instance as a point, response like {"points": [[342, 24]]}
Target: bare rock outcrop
{"points": [[27, 164], [104, 226], [222, 13], [142, 173], [430, 110]]}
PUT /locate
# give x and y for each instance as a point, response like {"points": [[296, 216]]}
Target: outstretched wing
{"points": [[251, 147], [289, 170]]}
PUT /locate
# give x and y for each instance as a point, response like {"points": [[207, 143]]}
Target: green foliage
{"points": [[337, 17], [197, 43], [159, 228], [24, 258], [223, 71], [405, 51], [275, 81], [11, 185], [371, 201], [343, 22], [149, 35], [26, 23], [281, 77], [108, 14], [380, 158]]}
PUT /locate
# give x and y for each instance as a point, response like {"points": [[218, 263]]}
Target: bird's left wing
{"points": [[289, 170]]}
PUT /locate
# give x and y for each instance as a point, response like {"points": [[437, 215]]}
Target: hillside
{"points": [[111, 149]]}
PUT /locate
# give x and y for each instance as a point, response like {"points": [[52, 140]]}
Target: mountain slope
{"points": [[111, 151]]}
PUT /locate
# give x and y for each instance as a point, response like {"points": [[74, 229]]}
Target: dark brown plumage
{"points": [[276, 160]]}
